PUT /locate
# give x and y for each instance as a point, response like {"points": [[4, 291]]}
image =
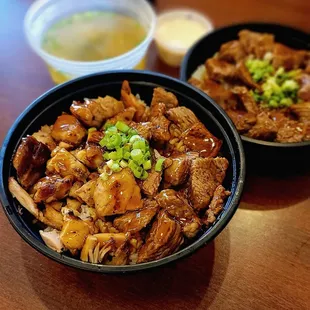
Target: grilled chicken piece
{"points": [[182, 117], [286, 57], [130, 100], [231, 51], [150, 186], [86, 193], [264, 129], [219, 70], [51, 238], [69, 130], [118, 194], [245, 76], [177, 206], [246, 99], [199, 139], [145, 129], [91, 156], [51, 188], [243, 121], [125, 116], [44, 135], [216, 205], [159, 122], [177, 173], [74, 188], [162, 96], [120, 256], [92, 112], [29, 161], [165, 238], [304, 91], [134, 221], [94, 136], [256, 43], [64, 164], [51, 217], [206, 174]]}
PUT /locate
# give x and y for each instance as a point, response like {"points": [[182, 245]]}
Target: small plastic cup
{"points": [[44, 13], [173, 42]]}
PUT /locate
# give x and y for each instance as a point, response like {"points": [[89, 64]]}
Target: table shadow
{"points": [[179, 285], [263, 192]]}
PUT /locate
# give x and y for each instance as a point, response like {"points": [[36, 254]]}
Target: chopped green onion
{"points": [[159, 164], [139, 144], [92, 129], [113, 156], [120, 153], [134, 138], [136, 155], [144, 175], [115, 167], [106, 155], [127, 155], [112, 129], [110, 163], [123, 164], [104, 176], [147, 165], [122, 126]]}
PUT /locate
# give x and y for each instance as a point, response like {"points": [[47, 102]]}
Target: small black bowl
{"points": [[45, 110], [259, 154]]}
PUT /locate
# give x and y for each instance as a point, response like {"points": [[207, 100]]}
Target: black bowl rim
{"points": [[218, 31], [72, 262]]}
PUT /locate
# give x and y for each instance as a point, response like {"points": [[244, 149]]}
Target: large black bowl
{"points": [[258, 153], [45, 110]]}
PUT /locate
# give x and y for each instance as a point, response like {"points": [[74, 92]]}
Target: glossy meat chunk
{"points": [[134, 221], [165, 238], [92, 112], [219, 70], [144, 129], [125, 116], [69, 130], [244, 75], [91, 156], [86, 193], [118, 194], [150, 186], [264, 129], [64, 164], [304, 91], [243, 121], [256, 43], [231, 51], [291, 131], [29, 161], [246, 98], [44, 135], [95, 136], [206, 174], [302, 111], [52, 188], [178, 207], [160, 95]]}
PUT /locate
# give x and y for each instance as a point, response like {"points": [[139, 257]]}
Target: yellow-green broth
{"points": [[91, 36]]}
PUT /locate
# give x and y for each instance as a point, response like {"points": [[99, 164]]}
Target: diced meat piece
{"points": [[130, 100], [29, 161], [286, 57], [291, 131], [302, 111], [245, 76], [159, 122], [74, 188], [64, 164], [199, 139], [144, 129], [264, 129], [150, 185], [86, 193], [256, 43], [216, 205], [206, 174], [69, 130], [304, 91], [231, 51], [118, 194], [196, 82], [44, 135], [95, 136], [177, 173], [165, 238], [51, 238], [246, 98], [177, 206], [134, 221], [91, 156], [219, 70], [120, 256], [243, 121], [92, 112], [51, 217], [125, 116], [222, 96], [52, 188], [183, 118], [162, 96]]}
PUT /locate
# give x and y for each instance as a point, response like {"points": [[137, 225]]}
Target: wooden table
{"points": [[260, 261]]}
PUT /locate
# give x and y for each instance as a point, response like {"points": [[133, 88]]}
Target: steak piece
{"points": [[165, 97], [244, 75], [243, 121], [291, 131], [304, 91], [256, 43], [246, 98], [231, 51], [302, 111], [206, 174], [164, 238], [216, 205], [178, 207], [30, 160], [219, 70], [264, 129], [144, 129]]}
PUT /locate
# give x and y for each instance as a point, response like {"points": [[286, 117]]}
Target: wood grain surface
{"points": [[260, 261]]}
